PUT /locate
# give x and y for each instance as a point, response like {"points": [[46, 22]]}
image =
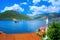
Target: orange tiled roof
{"points": [[26, 36]]}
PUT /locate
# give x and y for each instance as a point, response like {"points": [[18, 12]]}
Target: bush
{"points": [[54, 31]]}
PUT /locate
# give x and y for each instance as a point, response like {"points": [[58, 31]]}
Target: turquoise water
{"points": [[9, 27]]}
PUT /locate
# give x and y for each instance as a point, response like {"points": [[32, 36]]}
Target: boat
{"points": [[15, 20]]}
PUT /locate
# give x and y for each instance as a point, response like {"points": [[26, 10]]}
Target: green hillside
{"points": [[9, 15]]}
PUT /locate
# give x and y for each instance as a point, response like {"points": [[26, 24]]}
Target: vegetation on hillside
{"points": [[9, 15], [54, 31]]}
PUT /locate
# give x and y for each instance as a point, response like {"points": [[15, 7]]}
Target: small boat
{"points": [[15, 20]]}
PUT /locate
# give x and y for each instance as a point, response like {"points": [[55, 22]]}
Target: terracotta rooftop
{"points": [[25, 36], [41, 31]]}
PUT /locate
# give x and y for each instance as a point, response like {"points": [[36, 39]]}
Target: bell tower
{"points": [[46, 24], [45, 38]]}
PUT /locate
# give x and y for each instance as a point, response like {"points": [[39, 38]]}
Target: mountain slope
{"points": [[49, 15], [8, 15]]}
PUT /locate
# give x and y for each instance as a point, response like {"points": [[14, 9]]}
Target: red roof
{"points": [[25, 36], [42, 30]]}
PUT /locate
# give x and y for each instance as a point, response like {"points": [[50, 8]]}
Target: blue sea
{"points": [[22, 26]]}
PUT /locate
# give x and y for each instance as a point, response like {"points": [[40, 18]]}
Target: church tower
{"points": [[46, 24], [45, 38]]}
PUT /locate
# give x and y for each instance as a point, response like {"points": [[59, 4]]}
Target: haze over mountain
{"points": [[49, 15]]}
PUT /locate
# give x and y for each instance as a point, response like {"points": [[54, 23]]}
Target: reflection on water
{"points": [[21, 27]]}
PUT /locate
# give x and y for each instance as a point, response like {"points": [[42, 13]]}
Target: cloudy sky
{"points": [[30, 7]]}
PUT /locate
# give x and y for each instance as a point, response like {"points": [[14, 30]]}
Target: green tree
{"points": [[54, 31]]}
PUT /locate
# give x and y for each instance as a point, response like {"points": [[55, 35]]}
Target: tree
{"points": [[54, 31]]}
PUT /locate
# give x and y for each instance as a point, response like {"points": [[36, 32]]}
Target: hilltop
{"points": [[9, 15]]}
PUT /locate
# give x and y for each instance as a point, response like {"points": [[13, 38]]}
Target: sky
{"points": [[30, 7]]}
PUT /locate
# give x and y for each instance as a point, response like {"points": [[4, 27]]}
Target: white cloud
{"points": [[14, 7], [25, 3], [33, 13], [55, 7], [30, 14], [52, 9], [37, 10], [36, 1], [43, 9], [55, 2]]}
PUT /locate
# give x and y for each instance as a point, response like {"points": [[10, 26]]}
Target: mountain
{"points": [[49, 15], [9, 15]]}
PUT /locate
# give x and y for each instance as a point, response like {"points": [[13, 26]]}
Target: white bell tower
{"points": [[45, 38], [46, 24]]}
